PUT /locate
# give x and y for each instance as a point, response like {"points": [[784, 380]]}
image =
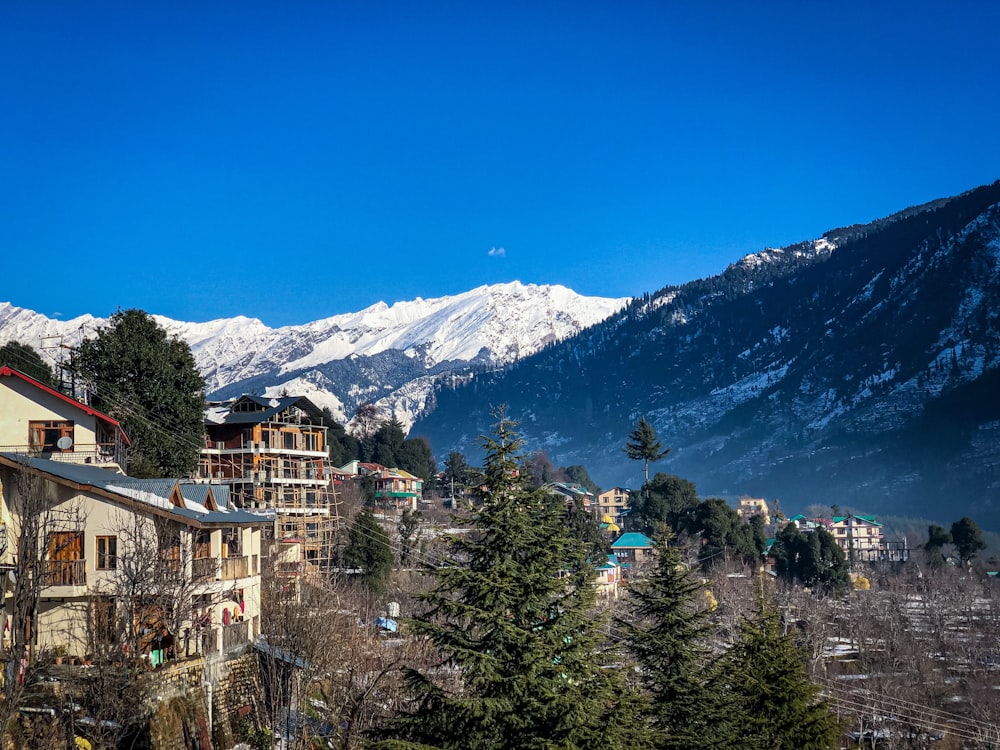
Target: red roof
{"points": [[7, 371]]}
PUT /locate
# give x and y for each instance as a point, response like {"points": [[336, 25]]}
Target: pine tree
{"points": [[25, 359], [643, 445], [666, 631], [149, 382], [368, 550], [512, 613], [967, 538], [776, 706]]}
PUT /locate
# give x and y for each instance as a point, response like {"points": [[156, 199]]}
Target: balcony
{"points": [[97, 454], [235, 567], [65, 573], [205, 568], [235, 636]]}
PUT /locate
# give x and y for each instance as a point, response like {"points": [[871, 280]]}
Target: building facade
{"points": [[40, 421], [273, 455], [157, 567]]}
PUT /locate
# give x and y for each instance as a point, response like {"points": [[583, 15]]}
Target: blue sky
{"points": [[292, 161]]}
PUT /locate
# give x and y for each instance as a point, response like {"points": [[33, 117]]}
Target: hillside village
{"points": [[153, 607]]}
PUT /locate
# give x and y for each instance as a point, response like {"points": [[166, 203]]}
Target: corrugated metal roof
{"points": [[270, 408], [632, 539], [153, 492]]}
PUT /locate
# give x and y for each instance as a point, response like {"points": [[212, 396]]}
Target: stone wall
{"points": [[236, 699]]}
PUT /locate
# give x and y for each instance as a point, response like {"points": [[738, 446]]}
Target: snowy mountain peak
{"points": [[388, 354]]}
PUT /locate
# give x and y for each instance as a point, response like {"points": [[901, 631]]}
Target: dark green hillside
{"points": [[805, 374]]}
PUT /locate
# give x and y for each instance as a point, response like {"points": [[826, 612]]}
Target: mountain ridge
{"points": [[809, 373], [387, 354]]}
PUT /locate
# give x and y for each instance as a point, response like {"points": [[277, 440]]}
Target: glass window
{"points": [[107, 552]]}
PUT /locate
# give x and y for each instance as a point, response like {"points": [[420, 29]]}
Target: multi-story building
{"points": [[156, 567], [393, 487], [754, 506], [272, 454], [40, 421], [613, 503]]}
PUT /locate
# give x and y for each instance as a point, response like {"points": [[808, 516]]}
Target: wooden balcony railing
{"points": [[205, 568], [235, 567], [235, 636], [65, 573]]}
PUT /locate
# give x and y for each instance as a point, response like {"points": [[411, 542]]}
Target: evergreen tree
{"points": [[937, 537], [409, 529], [25, 359], [669, 500], [667, 633], [723, 533], [343, 447], [967, 538], [368, 549], [387, 444], [643, 445], [457, 473], [814, 559], [512, 613], [775, 705], [148, 382], [579, 475], [415, 457]]}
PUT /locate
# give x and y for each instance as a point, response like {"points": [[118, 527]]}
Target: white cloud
{"points": [[497, 252]]}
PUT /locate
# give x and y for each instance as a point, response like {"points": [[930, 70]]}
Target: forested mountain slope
{"points": [[861, 369]]}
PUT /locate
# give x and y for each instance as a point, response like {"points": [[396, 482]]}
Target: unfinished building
{"points": [[273, 454]]}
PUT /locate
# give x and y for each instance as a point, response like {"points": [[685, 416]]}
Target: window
{"points": [[107, 552], [203, 545], [105, 620], [45, 436]]}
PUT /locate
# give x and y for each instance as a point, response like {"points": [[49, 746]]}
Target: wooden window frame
{"points": [[106, 559], [44, 434]]}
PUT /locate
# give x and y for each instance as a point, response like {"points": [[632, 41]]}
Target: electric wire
{"points": [[854, 700]]}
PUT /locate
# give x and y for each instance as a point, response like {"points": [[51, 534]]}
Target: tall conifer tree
{"points": [[768, 688], [666, 631], [643, 445], [512, 614]]}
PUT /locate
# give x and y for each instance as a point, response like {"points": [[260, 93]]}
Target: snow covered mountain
{"points": [[862, 369], [391, 356]]}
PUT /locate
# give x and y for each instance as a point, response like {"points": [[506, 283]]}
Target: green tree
{"points": [[814, 559], [668, 499], [368, 550], [343, 447], [409, 530], [667, 632], [512, 613], [387, 444], [723, 533], [579, 475], [415, 457], [25, 359], [937, 537], [758, 531], [147, 381], [775, 705], [967, 538], [643, 445], [457, 473]]}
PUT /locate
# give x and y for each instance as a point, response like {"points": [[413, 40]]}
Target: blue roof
{"points": [[632, 539], [158, 490]]}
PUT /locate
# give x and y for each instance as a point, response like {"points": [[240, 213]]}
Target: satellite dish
{"points": [[64, 443]]}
